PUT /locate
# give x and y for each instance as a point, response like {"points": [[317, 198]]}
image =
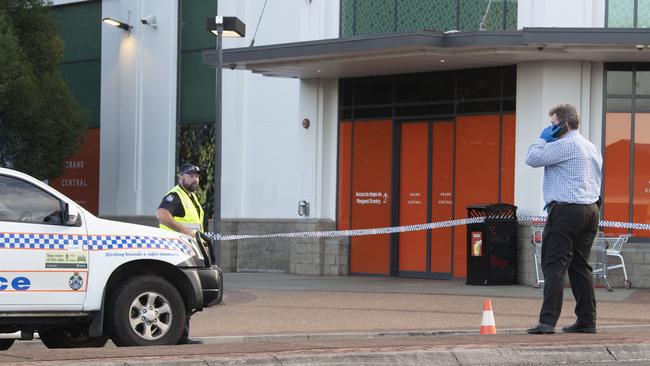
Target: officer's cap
{"points": [[188, 168]]}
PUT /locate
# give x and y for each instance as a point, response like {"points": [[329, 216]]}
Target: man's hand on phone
{"points": [[548, 132]]}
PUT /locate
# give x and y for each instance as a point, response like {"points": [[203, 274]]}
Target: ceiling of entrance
{"points": [[432, 51]]}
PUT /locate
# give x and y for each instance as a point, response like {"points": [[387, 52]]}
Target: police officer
{"points": [[180, 211]]}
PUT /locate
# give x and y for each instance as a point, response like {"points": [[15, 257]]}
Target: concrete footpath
{"points": [[281, 319]]}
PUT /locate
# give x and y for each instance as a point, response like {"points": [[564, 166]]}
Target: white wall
{"points": [[540, 86], [270, 161], [138, 107], [560, 13]]}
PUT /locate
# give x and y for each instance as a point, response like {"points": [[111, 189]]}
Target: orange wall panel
{"points": [[441, 194], [371, 195], [616, 179], [477, 168], [413, 195], [344, 187], [80, 179], [508, 128], [641, 199]]}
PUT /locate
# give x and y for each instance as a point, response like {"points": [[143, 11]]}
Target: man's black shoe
{"points": [[579, 328], [189, 341], [541, 328]]}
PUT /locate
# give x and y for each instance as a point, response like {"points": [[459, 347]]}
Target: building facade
{"points": [[375, 113]]}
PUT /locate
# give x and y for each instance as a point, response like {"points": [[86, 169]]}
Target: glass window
{"points": [[509, 81], [643, 104], [427, 87], [643, 83], [627, 126], [479, 83], [373, 91], [643, 14], [619, 104], [620, 13], [23, 202], [616, 178], [619, 82]]}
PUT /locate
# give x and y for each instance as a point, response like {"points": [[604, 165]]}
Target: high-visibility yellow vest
{"points": [[192, 220]]}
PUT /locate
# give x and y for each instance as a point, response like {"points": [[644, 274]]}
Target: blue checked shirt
{"points": [[572, 168]]}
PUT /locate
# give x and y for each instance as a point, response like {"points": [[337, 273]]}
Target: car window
{"points": [[23, 202]]}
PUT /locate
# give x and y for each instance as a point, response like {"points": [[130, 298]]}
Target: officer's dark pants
{"points": [[566, 243]]}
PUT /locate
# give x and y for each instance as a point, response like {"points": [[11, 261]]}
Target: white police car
{"points": [[79, 280]]}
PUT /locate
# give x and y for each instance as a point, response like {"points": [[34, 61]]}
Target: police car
{"points": [[79, 280]]}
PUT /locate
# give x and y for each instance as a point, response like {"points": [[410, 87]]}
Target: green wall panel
{"points": [[347, 18], [84, 79], [197, 88], [375, 17], [472, 11], [371, 17], [620, 13], [192, 24], [418, 15], [511, 14], [80, 27]]}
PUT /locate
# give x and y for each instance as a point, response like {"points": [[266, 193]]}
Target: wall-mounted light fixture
{"points": [[117, 23]]}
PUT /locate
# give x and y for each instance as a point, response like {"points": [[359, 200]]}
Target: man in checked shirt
{"points": [[572, 178]]}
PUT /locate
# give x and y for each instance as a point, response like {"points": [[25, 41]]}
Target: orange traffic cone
{"points": [[487, 323]]}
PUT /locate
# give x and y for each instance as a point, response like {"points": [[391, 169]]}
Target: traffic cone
{"points": [[487, 323]]}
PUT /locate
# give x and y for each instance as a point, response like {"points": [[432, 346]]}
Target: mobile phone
{"points": [[563, 129]]}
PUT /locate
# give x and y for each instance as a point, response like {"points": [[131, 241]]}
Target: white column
{"points": [[540, 86]]}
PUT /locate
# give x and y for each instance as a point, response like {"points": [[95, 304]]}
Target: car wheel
{"points": [[145, 311], [5, 344], [220, 297], [70, 337]]}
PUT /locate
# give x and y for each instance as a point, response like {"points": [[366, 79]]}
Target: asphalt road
{"points": [[272, 318]]}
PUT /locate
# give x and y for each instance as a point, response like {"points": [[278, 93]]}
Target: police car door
{"points": [[43, 265]]}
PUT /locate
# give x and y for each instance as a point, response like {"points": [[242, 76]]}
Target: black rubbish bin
{"points": [[492, 245]]}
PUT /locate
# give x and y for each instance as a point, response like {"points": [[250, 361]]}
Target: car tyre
{"points": [[220, 297], [145, 311], [70, 337], [5, 344]]}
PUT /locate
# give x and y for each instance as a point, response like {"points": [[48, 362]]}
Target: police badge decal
{"points": [[76, 281]]}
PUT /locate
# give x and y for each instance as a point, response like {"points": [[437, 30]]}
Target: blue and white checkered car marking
{"points": [[90, 242]]}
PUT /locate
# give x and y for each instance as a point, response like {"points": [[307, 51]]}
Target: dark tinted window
{"points": [[426, 87], [510, 81], [346, 93], [478, 83], [369, 91], [376, 112], [424, 109]]}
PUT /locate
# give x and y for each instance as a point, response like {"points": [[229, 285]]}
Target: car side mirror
{"points": [[70, 214]]}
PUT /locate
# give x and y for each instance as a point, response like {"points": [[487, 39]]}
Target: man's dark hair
{"points": [[566, 113]]}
